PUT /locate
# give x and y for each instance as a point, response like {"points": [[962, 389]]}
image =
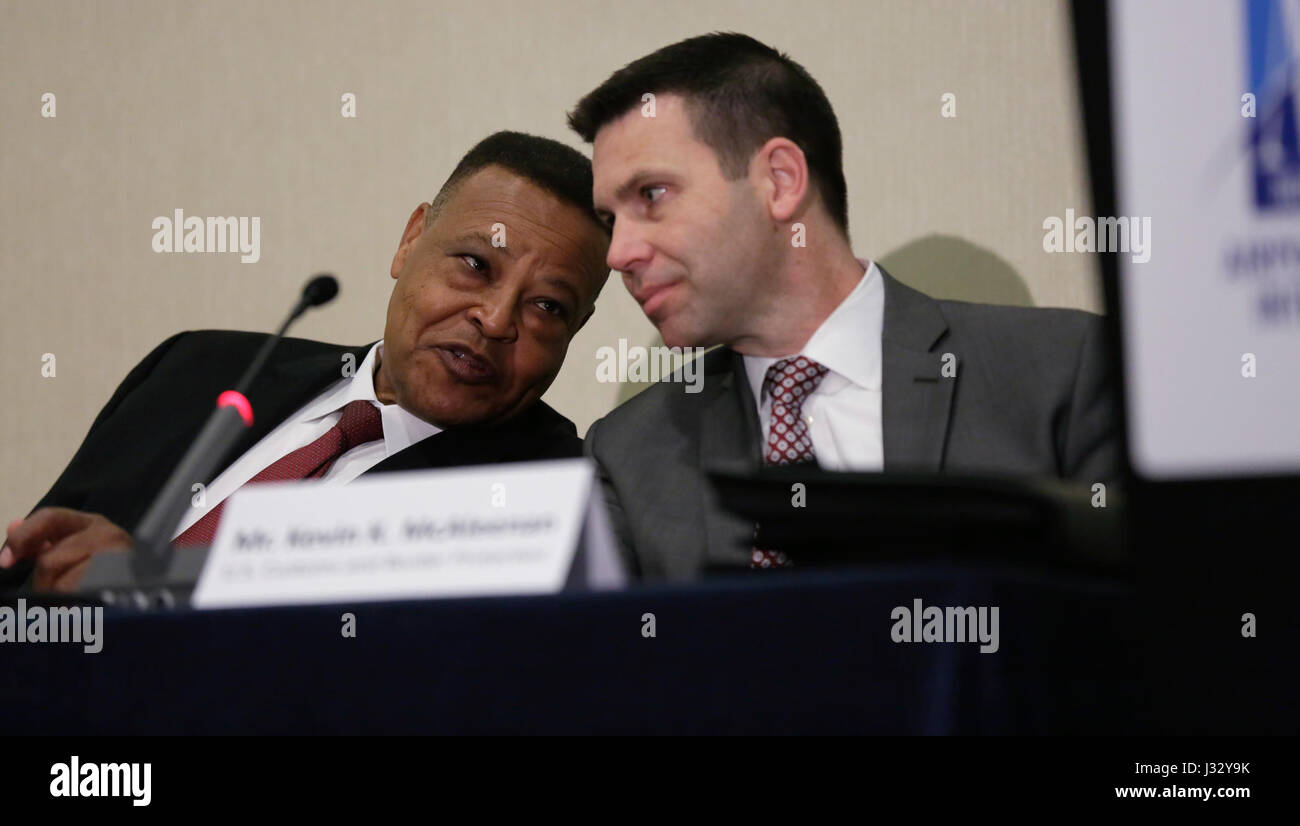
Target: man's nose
{"points": [[494, 315], [628, 248]]}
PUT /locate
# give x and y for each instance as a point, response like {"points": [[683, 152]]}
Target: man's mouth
{"points": [[465, 364], [653, 298]]}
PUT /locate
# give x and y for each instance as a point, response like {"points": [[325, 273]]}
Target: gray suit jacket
{"points": [[1032, 396]]}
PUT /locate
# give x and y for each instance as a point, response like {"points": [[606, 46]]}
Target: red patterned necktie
{"points": [[361, 422], [787, 384]]}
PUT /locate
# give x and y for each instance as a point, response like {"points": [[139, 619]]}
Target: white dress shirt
{"points": [[843, 413], [313, 420]]}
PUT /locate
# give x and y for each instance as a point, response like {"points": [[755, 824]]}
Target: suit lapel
{"points": [[916, 399], [729, 438]]}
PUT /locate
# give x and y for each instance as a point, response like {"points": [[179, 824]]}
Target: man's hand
{"points": [[61, 541]]}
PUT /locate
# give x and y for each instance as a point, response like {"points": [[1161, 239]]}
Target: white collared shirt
{"points": [[843, 413], [313, 420]]}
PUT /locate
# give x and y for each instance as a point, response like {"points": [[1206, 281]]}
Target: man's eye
{"points": [[646, 190], [552, 307], [475, 263]]}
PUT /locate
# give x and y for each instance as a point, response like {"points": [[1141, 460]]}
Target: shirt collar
{"points": [[401, 428], [847, 342]]}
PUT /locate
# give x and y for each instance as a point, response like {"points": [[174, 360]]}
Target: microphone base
{"points": [[111, 580]]}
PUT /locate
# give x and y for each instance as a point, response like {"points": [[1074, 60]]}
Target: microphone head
{"points": [[320, 290]]}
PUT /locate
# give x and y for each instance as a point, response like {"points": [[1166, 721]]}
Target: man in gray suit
{"points": [[717, 164]]}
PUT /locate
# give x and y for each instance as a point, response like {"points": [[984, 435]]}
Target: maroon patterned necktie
{"points": [[361, 422], [787, 384]]}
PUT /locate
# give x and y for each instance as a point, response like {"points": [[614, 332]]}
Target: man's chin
{"points": [[449, 413], [678, 336], [446, 417]]}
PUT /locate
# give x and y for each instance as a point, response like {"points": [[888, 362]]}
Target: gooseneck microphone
{"points": [[234, 413]]}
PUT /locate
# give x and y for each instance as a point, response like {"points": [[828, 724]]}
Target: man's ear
{"points": [[783, 178], [414, 229]]}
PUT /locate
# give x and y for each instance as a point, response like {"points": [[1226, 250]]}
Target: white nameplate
{"points": [[528, 527]]}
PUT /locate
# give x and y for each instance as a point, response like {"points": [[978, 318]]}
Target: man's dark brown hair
{"points": [[739, 94]]}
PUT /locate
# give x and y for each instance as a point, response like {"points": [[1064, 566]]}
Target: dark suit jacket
{"points": [[1032, 397], [148, 424]]}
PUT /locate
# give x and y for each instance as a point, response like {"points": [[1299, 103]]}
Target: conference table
{"points": [[762, 653]]}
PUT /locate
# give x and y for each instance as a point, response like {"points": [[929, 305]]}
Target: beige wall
{"points": [[232, 108]]}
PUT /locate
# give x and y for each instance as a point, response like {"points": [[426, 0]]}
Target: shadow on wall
{"points": [[941, 266]]}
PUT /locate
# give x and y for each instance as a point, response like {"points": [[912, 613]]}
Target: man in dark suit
{"points": [[717, 164], [493, 279]]}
